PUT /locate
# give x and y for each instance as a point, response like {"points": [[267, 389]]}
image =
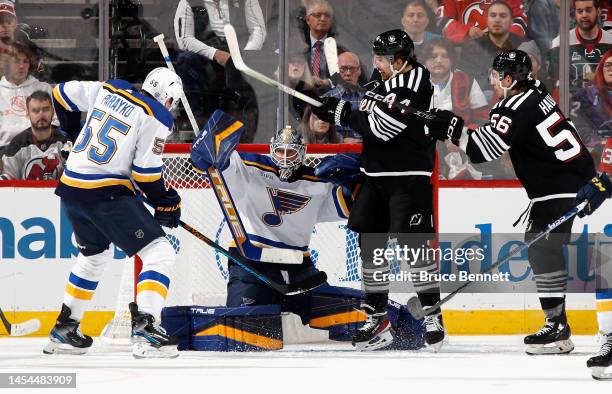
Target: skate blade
{"points": [[438, 345], [63, 348], [559, 347], [600, 373], [380, 341], [145, 350]]}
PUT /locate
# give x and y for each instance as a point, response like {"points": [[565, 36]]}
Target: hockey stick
{"points": [[226, 203], [234, 48], [331, 55], [159, 39], [20, 329], [294, 288], [414, 305]]}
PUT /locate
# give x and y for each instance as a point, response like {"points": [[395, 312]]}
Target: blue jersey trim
{"points": [[147, 170], [161, 113], [276, 244], [91, 177], [72, 106]]}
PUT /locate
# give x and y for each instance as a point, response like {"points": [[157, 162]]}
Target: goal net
{"points": [[200, 274]]}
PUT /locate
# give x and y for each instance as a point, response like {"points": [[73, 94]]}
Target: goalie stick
{"points": [[20, 329], [331, 56], [234, 48], [294, 288], [414, 305], [226, 203]]}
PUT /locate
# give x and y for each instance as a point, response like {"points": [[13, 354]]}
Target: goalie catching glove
{"points": [[595, 193], [340, 169], [445, 125], [333, 110], [168, 209]]}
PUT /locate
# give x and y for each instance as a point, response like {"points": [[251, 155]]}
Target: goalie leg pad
{"points": [[225, 329], [338, 310]]}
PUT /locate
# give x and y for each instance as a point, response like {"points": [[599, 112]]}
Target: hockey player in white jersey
{"points": [[279, 201], [119, 147]]}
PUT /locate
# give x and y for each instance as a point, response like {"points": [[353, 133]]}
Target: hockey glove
{"points": [[445, 125], [595, 193], [168, 209], [333, 110], [339, 169]]}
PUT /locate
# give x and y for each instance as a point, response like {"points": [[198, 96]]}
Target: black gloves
{"points": [[333, 110], [595, 193], [168, 209], [445, 125]]}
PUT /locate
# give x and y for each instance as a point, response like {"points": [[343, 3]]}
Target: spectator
{"points": [[543, 22], [15, 87], [350, 71], [11, 32], [210, 79], [465, 19], [454, 90], [317, 131], [319, 19], [415, 21], [606, 14], [36, 153], [587, 41], [300, 79], [594, 103], [478, 54], [537, 70]]}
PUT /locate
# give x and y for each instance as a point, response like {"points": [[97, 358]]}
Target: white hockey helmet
{"points": [[164, 84]]}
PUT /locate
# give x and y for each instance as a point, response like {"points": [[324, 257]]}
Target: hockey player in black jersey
{"points": [[553, 166], [396, 198]]}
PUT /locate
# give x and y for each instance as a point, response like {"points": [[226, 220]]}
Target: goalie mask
{"points": [[287, 151]]}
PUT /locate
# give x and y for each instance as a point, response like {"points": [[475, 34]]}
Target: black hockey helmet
{"points": [[392, 43], [515, 63]]}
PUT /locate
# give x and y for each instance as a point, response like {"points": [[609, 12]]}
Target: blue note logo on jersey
{"points": [[283, 203]]}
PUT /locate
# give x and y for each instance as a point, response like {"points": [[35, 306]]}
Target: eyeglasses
{"points": [[607, 66], [346, 69], [320, 15]]}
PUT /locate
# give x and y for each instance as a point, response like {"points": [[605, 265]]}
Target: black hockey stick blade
{"points": [[307, 284]]}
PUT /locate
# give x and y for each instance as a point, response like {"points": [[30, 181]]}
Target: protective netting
{"points": [[200, 274]]}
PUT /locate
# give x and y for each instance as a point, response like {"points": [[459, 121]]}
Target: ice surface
{"points": [[468, 364]]}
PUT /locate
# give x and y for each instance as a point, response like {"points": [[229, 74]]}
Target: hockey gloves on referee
{"points": [[445, 125], [333, 110], [595, 193], [168, 209]]}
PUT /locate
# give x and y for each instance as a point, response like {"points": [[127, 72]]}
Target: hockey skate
{"points": [[553, 338], [149, 339], [435, 333], [600, 362], [375, 333], [66, 336]]}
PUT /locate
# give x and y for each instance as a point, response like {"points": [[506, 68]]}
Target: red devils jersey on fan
{"points": [[460, 15], [606, 157], [547, 154]]}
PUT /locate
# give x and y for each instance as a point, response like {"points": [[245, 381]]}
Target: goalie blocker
{"points": [[259, 328]]}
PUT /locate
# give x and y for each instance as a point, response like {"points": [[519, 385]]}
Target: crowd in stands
{"points": [[455, 39]]}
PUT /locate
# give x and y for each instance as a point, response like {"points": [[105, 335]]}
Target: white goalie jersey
{"points": [[281, 214]]}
